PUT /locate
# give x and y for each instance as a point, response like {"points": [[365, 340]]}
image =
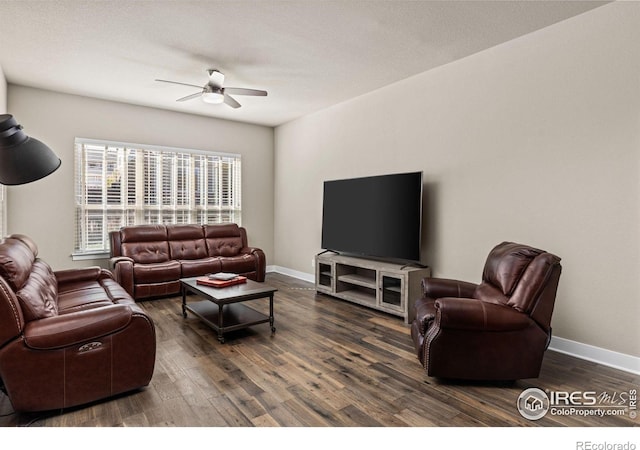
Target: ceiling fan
{"points": [[214, 91]]}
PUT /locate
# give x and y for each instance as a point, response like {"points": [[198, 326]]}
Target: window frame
{"points": [[170, 185]]}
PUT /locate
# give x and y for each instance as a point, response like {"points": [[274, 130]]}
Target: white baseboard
{"points": [[311, 278], [587, 352], [598, 355]]}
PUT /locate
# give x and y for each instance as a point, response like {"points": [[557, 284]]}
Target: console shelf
{"points": [[387, 287], [358, 280]]}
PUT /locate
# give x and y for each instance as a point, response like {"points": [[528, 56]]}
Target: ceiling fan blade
{"points": [[243, 91], [216, 78], [189, 97], [177, 82], [231, 101]]}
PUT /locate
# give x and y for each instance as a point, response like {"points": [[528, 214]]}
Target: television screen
{"points": [[377, 216]]}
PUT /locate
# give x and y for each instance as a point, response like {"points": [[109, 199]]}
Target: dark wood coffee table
{"points": [[222, 310]]}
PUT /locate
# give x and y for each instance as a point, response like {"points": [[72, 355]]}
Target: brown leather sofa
{"points": [[68, 337], [496, 330], [149, 260]]}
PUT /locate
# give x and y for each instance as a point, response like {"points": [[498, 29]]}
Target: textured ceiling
{"points": [[307, 54]]}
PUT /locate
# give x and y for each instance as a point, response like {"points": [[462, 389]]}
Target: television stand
{"points": [[388, 287]]}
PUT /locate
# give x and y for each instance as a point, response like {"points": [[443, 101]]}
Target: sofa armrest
{"points": [[441, 287], [77, 327], [260, 258], [81, 274], [475, 315], [116, 259], [122, 267], [250, 251]]}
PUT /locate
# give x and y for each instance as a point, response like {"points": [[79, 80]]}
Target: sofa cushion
{"points": [[39, 295], [184, 232], [80, 295], [83, 293], [147, 252], [16, 259], [238, 264], [198, 267], [157, 272], [145, 243], [143, 233], [186, 241], [223, 240]]}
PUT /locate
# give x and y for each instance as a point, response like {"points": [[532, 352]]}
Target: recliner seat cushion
{"points": [[198, 267], [490, 294], [156, 273], [81, 295], [238, 264]]}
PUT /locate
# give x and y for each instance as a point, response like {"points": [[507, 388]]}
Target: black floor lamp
{"points": [[23, 159]]}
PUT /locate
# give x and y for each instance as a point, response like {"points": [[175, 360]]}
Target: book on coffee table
{"points": [[206, 281], [225, 276]]}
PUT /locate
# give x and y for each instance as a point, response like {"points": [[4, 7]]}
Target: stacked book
{"points": [[221, 279]]}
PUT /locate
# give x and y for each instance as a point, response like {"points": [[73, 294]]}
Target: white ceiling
{"points": [[308, 54]]}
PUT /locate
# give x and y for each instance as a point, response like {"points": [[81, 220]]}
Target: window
{"points": [[121, 184]]}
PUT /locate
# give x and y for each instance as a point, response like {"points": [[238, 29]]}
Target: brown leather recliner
{"points": [[496, 330], [68, 337]]}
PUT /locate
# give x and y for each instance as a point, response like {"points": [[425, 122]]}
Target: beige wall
{"points": [[45, 209], [535, 141], [3, 92]]}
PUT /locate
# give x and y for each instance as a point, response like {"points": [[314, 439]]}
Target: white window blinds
{"points": [[121, 184]]}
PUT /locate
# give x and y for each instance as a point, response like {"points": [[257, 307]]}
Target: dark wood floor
{"points": [[330, 364]]}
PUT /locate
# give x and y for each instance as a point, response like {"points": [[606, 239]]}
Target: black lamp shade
{"points": [[23, 159]]}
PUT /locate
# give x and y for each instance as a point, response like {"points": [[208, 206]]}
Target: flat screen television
{"points": [[378, 216]]}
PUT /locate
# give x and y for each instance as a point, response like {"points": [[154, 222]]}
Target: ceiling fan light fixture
{"points": [[213, 97], [215, 93]]}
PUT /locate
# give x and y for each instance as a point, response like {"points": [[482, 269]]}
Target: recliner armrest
{"points": [[122, 267], [475, 315], [116, 259], [260, 259], [441, 287], [74, 328], [249, 250]]}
